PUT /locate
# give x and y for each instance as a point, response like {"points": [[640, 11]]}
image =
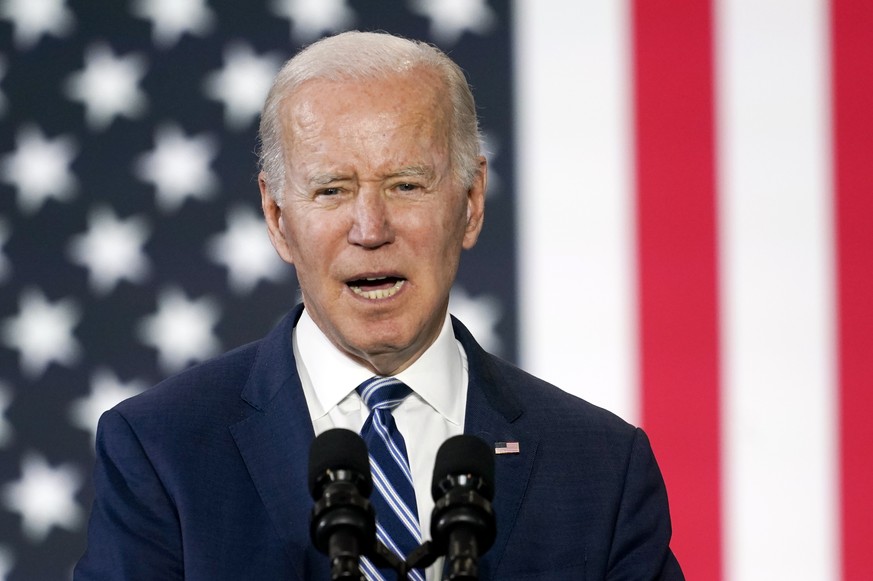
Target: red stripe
{"points": [[852, 36], [677, 255]]}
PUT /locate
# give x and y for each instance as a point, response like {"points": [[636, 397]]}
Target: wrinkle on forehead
{"points": [[422, 86], [369, 115]]}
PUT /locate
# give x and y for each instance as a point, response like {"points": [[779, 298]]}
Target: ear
{"points": [[476, 204], [275, 222]]}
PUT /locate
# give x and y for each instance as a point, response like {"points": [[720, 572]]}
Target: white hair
{"points": [[360, 55]]}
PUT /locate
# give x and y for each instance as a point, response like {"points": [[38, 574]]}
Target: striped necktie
{"points": [[393, 496]]}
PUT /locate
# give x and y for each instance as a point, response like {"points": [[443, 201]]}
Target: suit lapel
{"points": [[492, 415], [274, 443]]}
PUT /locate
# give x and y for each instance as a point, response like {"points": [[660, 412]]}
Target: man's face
{"points": [[372, 216]]}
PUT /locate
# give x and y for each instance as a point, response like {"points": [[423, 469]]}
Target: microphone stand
{"points": [[422, 557], [382, 557], [462, 568]]}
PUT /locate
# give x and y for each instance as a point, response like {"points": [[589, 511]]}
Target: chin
{"points": [[375, 341]]}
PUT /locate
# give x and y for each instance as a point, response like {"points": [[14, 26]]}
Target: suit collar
{"points": [[274, 443], [485, 377], [495, 413], [274, 364]]}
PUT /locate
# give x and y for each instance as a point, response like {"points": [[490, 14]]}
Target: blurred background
{"points": [[679, 228]]}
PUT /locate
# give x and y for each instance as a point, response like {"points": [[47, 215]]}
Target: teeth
{"points": [[382, 293]]}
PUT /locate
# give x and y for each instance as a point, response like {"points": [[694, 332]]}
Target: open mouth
{"points": [[376, 288]]}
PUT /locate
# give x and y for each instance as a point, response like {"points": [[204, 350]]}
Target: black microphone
{"points": [[463, 525], [343, 523]]}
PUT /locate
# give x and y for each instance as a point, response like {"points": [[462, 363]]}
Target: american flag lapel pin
{"points": [[506, 448]]}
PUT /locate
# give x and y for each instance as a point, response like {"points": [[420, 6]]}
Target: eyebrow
{"points": [[326, 178], [413, 171]]}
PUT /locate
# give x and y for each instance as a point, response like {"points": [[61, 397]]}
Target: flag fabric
{"points": [[679, 228], [507, 448], [694, 183]]}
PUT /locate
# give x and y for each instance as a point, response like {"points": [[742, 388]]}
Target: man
{"points": [[372, 184]]}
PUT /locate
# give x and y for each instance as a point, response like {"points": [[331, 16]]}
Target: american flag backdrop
{"points": [[679, 228]]}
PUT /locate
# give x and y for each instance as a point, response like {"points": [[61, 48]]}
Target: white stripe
{"points": [[386, 540], [576, 233], [398, 456], [400, 510], [375, 384], [778, 328], [370, 571], [403, 512], [389, 404]]}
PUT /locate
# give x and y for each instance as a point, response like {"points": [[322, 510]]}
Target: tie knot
{"points": [[383, 393]]}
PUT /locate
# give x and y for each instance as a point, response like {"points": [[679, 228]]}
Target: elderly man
{"points": [[371, 185]]}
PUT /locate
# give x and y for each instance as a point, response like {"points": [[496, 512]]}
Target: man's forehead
{"points": [[422, 89], [362, 115]]}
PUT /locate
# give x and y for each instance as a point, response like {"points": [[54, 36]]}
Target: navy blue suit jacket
{"points": [[204, 477]]}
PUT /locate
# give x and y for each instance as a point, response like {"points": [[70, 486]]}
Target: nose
{"points": [[371, 225]]}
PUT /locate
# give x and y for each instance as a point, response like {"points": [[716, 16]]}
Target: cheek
{"points": [[438, 243], [454, 227], [314, 239], [440, 221]]}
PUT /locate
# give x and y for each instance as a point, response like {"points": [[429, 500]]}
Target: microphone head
{"points": [[338, 449], [463, 459]]}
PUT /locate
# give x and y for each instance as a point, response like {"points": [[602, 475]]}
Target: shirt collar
{"points": [[437, 376]]}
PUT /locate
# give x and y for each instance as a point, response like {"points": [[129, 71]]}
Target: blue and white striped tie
{"points": [[393, 495]]}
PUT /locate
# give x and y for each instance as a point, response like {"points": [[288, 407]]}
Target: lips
{"points": [[376, 287]]}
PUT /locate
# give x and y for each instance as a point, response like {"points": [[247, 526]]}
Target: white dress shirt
{"points": [[432, 413]]}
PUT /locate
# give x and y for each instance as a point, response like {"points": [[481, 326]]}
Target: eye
{"points": [[328, 192], [407, 187]]}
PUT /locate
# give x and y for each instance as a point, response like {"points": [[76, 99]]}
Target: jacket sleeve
{"points": [[641, 547], [134, 531]]}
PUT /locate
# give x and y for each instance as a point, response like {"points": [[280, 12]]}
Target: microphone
{"points": [[343, 523], [463, 526]]}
